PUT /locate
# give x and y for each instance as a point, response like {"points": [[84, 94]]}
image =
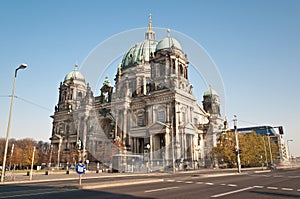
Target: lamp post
{"points": [[289, 152], [50, 158], [148, 147], [32, 161], [58, 152], [265, 149], [11, 155], [22, 66], [271, 158], [237, 145], [173, 151]]}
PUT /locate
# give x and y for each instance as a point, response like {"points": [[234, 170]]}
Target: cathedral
{"points": [[149, 118]]}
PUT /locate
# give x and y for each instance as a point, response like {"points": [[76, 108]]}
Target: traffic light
{"points": [[237, 151], [280, 129]]}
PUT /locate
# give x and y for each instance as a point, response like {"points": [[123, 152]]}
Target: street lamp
{"points": [[289, 152], [148, 147], [271, 158], [237, 145], [22, 66]]}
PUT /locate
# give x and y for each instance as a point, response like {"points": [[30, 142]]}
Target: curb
{"points": [[114, 184]]}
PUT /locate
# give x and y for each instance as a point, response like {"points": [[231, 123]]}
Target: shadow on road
{"points": [[276, 194], [46, 192]]}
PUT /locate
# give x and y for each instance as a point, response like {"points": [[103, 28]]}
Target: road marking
{"points": [[298, 190], [188, 182], [35, 194], [162, 189], [287, 189], [199, 182], [171, 180], [209, 183], [259, 187], [232, 185], [178, 181], [273, 188], [231, 192]]}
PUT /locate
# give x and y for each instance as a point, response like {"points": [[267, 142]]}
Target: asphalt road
{"points": [[278, 184]]}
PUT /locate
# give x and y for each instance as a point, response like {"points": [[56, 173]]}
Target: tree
{"points": [[43, 150], [252, 149], [21, 156]]}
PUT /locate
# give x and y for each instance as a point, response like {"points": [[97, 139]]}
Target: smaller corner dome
{"points": [[75, 75], [168, 42], [210, 92]]}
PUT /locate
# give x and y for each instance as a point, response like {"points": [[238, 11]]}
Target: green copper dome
{"points": [[138, 53], [75, 75], [210, 92], [168, 42]]}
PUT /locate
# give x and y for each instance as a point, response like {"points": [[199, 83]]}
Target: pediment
{"points": [[190, 126], [157, 125], [56, 137]]}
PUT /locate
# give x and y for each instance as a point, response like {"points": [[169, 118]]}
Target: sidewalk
{"points": [[61, 176], [20, 178]]}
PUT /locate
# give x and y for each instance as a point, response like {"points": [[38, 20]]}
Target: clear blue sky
{"points": [[255, 45]]}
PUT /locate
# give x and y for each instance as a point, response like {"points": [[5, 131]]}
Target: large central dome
{"points": [[140, 52]]}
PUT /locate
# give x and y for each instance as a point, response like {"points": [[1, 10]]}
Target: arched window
{"points": [[79, 95], [161, 116], [141, 120], [180, 70]]}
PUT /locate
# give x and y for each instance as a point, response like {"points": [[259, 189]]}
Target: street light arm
{"points": [[22, 66]]}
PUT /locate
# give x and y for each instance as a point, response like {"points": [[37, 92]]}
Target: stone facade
{"points": [[149, 113]]}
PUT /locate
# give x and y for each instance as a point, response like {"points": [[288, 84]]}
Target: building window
{"points": [[195, 121], [161, 116], [141, 120]]}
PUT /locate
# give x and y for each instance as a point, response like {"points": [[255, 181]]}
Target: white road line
{"points": [[162, 189], [231, 192], [273, 188], [259, 187], [171, 180], [232, 185], [178, 181], [199, 182], [188, 182], [287, 189], [298, 190], [209, 183]]}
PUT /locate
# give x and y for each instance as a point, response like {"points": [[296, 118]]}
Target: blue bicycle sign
{"points": [[80, 168]]}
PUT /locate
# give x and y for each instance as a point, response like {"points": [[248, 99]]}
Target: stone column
{"points": [[177, 138], [124, 127], [176, 66], [168, 144], [116, 124], [184, 136], [151, 149], [84, 138]]}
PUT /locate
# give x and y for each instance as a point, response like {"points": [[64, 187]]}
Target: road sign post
{"points": [[80, 169]]}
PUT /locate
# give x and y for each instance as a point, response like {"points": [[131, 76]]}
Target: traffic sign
{"points": [[80, 168]]}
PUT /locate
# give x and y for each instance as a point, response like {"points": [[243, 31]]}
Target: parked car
{"points": [[272, 166]]}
